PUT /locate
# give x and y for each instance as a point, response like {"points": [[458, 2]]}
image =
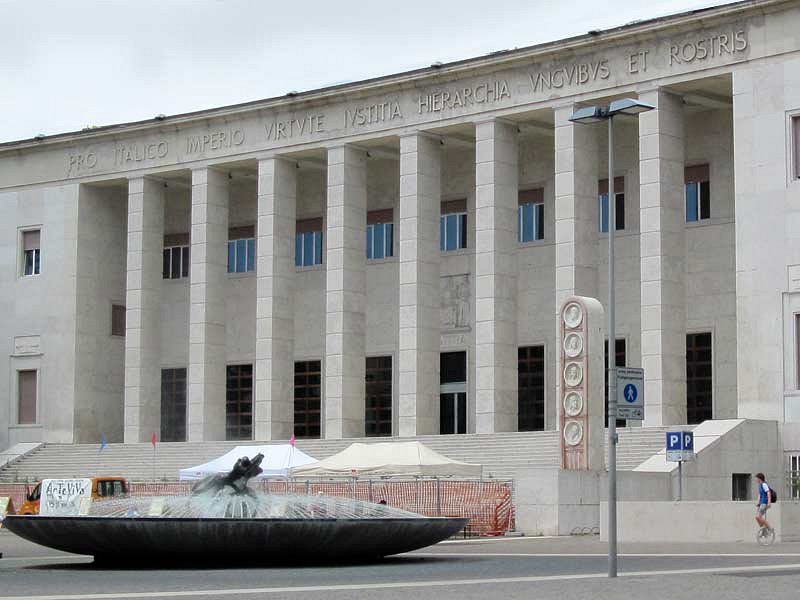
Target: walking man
{"points": [[764, 501]]}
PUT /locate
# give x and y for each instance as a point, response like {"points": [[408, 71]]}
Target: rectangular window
{"points": [[620, 358], [530, 215], [117, 320], [308, 243], [797, 350], [380, 234], [699, 378], [26, 392], [239, 402], [698, 193], [453, 225], [31, 252], [530, 361], [307, 398], [796, 145], [173, 405], [242, 255], [378, 401], [794, 477], [175, 262], [619, 206], [740, 487]]}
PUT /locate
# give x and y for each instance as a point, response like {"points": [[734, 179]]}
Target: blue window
{"points": [[530, 222], [308, 249], [241, 255], [380, 240], [619, 214], [453, 231], [698, 201]]}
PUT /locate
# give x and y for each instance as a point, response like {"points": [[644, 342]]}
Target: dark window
{"points": [[110, 488], [530, 361], [173, 405], [378, 417], [740, 486], [308, 243], [239, 402], [453, 367], [307, 398], [699, 382], [26, 391], [698, 193], [175, 262], [117, 319], [620, 361], [32, 252]]}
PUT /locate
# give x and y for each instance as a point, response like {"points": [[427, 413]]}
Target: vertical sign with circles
{"points": [[581, 339]]}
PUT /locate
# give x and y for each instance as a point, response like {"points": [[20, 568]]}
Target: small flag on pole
{"points": [[103, 443], [292, 440], [153, 439]]}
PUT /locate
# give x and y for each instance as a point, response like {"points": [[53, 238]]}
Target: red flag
{"points": [[153, 439], [292, 440]]}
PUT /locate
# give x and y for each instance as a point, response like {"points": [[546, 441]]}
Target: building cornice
{"points": [[593, 41]]}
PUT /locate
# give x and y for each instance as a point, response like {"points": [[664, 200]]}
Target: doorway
{"points": [[453, 393]]}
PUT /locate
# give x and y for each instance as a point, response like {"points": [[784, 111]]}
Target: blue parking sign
{"points": [[680, 446]]}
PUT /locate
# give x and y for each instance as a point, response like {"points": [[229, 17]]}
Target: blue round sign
{"points": [[630, 392]]}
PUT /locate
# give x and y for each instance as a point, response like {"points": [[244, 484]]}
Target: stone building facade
{"points": [[388, 256]]}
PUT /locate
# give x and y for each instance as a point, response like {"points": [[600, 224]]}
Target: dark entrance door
{"points": [[453, 392]]}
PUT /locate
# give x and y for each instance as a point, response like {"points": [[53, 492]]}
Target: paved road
{"points": [[508, 569]]}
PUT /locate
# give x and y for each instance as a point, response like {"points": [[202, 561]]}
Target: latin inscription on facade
{"points": [[126, 154], [368, 114], [575, 74], [78, 163], [452, 99], [708, 47], [216, 140], [291, 128]]}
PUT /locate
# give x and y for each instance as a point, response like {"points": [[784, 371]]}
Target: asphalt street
{"points": [[505, 568]]}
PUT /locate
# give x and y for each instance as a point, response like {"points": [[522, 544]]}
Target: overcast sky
{"points": [[65, 65]]}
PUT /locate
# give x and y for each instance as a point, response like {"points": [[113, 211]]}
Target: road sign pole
{"points": [[680, 480], [612, 364]]}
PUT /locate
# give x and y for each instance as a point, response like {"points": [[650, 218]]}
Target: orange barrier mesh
{"points": [[487, 504]]}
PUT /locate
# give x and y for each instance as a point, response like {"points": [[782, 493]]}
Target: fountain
{"points": [[224, 520]]}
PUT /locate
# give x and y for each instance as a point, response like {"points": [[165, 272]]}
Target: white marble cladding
{"points": [[496, 201], [345, 292], [142, 302], [274, 368], [663, 249], [419, 298], [205, 411]]}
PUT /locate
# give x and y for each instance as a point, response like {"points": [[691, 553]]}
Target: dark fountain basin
{"points": [[258, 540]]}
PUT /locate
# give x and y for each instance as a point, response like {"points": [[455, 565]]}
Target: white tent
{"points": [[389, 458], [278, 460]]}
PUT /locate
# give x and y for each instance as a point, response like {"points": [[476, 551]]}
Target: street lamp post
{"points": [[596, 114]]}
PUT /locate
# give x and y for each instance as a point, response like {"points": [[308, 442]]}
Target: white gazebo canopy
{"points": [[411, 459], [279, 459]]}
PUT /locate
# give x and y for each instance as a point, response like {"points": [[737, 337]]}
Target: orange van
{"points": [[102, 487]]}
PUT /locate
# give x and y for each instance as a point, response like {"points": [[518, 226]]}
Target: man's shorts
{"points": [[762, 509]]}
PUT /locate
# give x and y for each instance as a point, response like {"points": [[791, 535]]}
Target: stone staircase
{"points": [[501, 454]]}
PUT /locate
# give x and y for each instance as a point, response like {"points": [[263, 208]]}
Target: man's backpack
{"points": [[773, 496]]}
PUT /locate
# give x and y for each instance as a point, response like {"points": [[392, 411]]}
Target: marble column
{"points": [[143, 310], [496, 201], [663, 249], [576, 216], [576, 207], [419, 302], [345, 292], [274, 377], [206, 400]]}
